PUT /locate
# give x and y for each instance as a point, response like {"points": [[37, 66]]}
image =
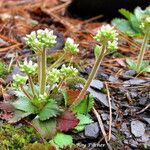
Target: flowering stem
{"points": [[142, 51], [42, 71], [26, 93], [90, 78], [31, 85], [58, 61]]}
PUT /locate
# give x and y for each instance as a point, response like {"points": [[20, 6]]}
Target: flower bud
{"points": [[70, 46]]}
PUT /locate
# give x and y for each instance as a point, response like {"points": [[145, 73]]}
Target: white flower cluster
{"points": [[19, 80], [70, 46], [29, 67], [69, 71], [40, 39], [145, 25], [107, 35], [53, 76]]}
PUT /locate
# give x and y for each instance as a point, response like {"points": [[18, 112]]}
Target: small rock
{"points": [[147, 120], [112, 79], [134, 94], [128, 74], [133, 143], [103, 76], [97, 84], [79, 136], [92, 131], [100, 98], [124, 127], [125, 142], [135, 81], [105, 116], [137, 128], [145, 138], [143, 101]]}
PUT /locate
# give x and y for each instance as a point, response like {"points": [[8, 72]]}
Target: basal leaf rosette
{"points": [[70, 46], [107, 35], [40, 39], [29, 67]]}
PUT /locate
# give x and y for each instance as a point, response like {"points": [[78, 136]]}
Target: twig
{"points": [[102, 127], [110, 111], [10, 47], [141, 111], [59, 7]]}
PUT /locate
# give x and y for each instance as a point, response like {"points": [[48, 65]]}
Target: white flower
{"points": [[19, 80], [53, 76], [112, 45], [29, 67], [106, 33], [41, 39], [69, 71], [70, 46]]}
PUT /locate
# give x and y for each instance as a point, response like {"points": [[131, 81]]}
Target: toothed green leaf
{"points": [[47, 129], [51, 109], [24, 104], [18, 115], [62, 140], [84, 120]]}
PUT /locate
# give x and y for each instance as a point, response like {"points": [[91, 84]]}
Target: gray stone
{"points": [[92, 130], [97, 84], [135, 81], [128, 74], [100, 97], [112, 79], [137, 128]]}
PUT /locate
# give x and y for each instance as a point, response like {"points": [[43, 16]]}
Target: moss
{"points": [[14, 138], [3, 69], [39, 146]]}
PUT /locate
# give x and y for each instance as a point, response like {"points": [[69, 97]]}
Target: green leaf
{"points": [[144, 66], [131, 64], [97, 50], [124, 26], [147, 69], [125, 13], [47, 129], [51, 109], [24, 104], [18, 115], [135, 24], [63, 140], [84, 120], [85, 106]]}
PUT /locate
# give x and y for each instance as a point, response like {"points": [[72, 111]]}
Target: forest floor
{"points": [[124, 104]]}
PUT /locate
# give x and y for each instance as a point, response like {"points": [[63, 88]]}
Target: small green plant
{"points": [[131, 25], [107, 37], [55, 107], [142, 66], [3, 69]]}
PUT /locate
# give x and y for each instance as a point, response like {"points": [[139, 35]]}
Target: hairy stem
{"points": [[90, 78], [42, 71], [142, 51], [31, 85], [57, 62], [26, 93]]}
